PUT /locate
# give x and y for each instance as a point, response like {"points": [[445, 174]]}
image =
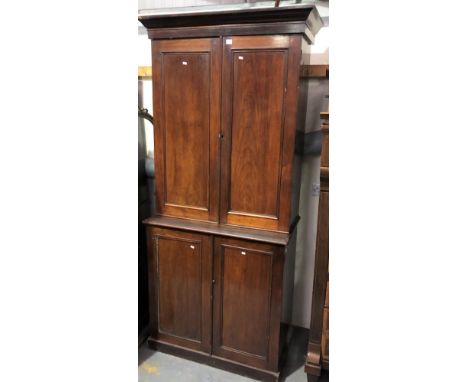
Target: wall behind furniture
{"points": [[308, 209], [310, 184]]}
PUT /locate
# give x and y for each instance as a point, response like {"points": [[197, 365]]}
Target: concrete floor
{"points": [[156, 366]]}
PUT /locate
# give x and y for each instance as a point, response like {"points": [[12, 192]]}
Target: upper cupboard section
{"points": [[225, 112]]}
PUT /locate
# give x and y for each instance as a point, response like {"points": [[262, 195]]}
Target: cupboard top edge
{"points": [[152, 18], [278, 238], [300, 18]]}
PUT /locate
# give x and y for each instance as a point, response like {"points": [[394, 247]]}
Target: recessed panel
{"points": [[186, 100], [246, 278], [180, 282], [257, 119]]}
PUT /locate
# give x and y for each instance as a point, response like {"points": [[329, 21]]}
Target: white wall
{"points": [[310, 186], [308, 208], [319, 51], [145, 93]]}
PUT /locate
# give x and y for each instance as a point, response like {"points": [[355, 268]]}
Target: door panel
{"points": [[256, 131], [242, 282], [186, 103], [245, 288], [183, 263], [180, 279], [187, 122], [258, 122]]}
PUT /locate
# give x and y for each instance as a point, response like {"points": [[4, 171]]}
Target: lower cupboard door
{"points": [[184, 281], [247, 302]]}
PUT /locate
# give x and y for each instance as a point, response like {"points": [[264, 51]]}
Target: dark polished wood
{"points": [[325, 147], [187, 127], [301, 19], [226, 93], [292, 27], [212, 16], [257, 109], [325, 332], [321, 269], [258, 130], [248, 332], [193, 281], [181, 274], [314, 71], [245, 233], [317, 351]]}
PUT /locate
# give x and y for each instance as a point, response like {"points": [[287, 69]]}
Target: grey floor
{"points": [[157, 366]]}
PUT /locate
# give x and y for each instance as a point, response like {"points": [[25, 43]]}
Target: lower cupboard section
{"points": [[216, 300]]}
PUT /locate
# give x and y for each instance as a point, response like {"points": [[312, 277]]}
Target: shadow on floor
{"points": [[144, 352], [293, 367], [296, 352]]}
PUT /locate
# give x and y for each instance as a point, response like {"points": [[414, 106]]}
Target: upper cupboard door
{"points": [[260, 80], [186, 96]]}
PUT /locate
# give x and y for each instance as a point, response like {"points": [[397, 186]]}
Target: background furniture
{"points": [[317, 352], [228, 103], [143, 212]]}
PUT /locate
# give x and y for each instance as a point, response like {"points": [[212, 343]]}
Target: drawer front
{"points": [[181, 286], [247, 302]]}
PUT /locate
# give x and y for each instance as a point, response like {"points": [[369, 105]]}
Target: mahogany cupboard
{"points": [[228, 104]]}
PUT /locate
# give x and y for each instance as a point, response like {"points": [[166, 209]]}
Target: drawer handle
{"points": [[192, 246], [243, 253]]}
